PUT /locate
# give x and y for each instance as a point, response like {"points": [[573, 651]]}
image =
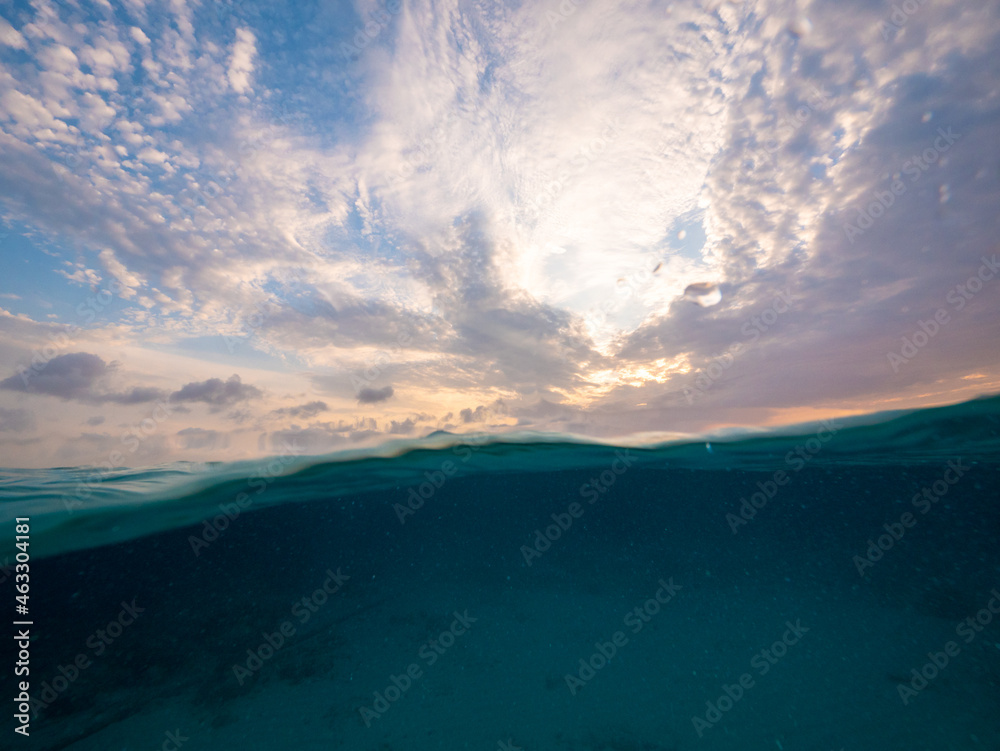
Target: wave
{"points": [[73, 508]]}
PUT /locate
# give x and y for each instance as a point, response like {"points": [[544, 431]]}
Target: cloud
{"points": [[374, 396], [547, 413], [314, 439], [11, 36], [16, 420], [199, 438], [136, 395], [216, 392], [241, 61], [86, 378], [70, 376], [404, 427], [98, 448], [77, 375], [81, 275], [484, 413], [95, 420], [304, 411], [469, 230]]}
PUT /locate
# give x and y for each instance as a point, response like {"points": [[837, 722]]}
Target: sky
{"points": [[234, 229]]}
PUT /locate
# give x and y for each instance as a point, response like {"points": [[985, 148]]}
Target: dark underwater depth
{"points": [[835, 587]]}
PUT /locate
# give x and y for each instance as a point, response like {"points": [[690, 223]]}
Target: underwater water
{"points": [[832, 587]]}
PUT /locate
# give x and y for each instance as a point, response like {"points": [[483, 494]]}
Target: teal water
{"points": [[827, 586]]}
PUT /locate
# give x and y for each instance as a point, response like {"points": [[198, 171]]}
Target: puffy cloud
{"points": [[303, 411], [374, 396], [31, 115], [241, 61], [68, 376], [77, 375], [484, 413], [11, 36], [216, 392], [402, 427], [81, 275], [106, 56]]}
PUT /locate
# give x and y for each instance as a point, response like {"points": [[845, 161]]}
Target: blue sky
{"points": [[248, 225]]}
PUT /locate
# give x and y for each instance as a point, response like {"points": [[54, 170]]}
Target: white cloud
{"points": [[128, 281], [106, 57], [11, 36], [81, 275], [241, 60], [33, 117], [152, 156], [59, 58]]}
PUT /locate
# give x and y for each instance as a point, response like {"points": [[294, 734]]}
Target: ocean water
{"points": [[833, 586]]}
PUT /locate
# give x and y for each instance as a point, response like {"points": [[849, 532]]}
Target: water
{"points": [[741, 591]]}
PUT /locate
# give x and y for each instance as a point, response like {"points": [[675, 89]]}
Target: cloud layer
{"points": [[388, 223]]}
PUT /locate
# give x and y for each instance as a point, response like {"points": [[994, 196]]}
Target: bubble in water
{"points": [[704, 294]]}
